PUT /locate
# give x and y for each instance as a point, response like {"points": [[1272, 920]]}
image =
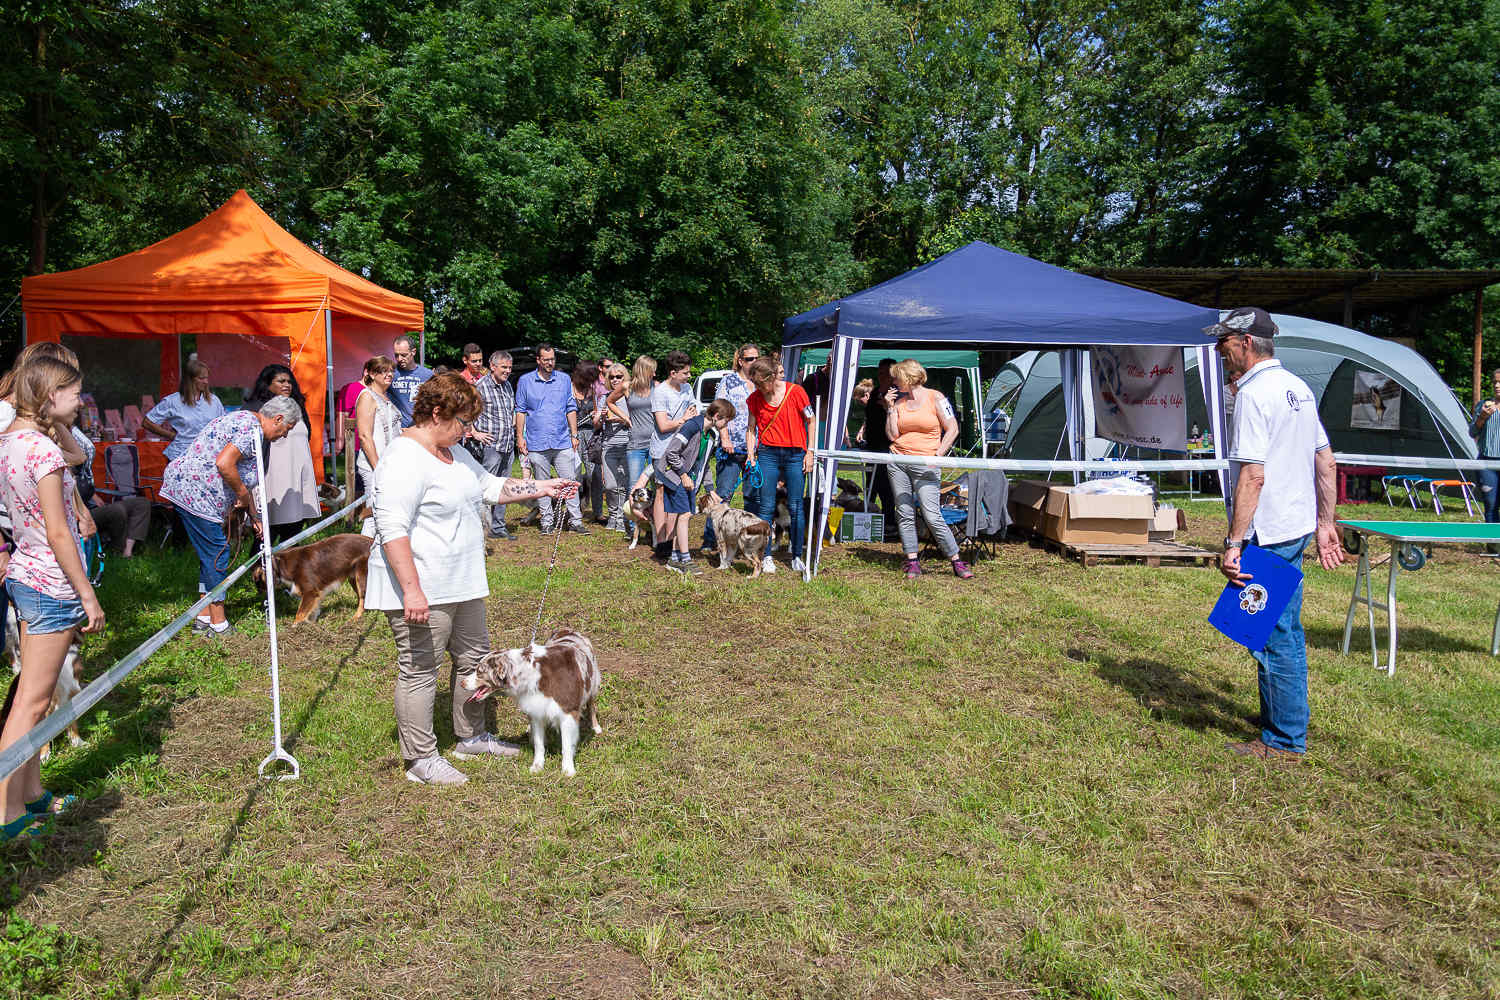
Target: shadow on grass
{"points": [[1175, 695], [161, 949], [1410, 638]]}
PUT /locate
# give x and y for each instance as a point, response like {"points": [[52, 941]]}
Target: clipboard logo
{"points": [[1253, 599]]}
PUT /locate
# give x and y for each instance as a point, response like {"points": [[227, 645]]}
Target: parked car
{"points": [[705, 387]]}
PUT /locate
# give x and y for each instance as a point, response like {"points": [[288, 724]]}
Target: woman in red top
{"points": [[781, 419]]}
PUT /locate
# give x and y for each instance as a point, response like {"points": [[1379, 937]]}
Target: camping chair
{"points": [[122, 476], [1464, 487]]}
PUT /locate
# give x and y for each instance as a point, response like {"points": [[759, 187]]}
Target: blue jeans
{"points": [[1489, 489], [783, 465], [636, 462], [728, 470], [210, 544], [1282, 673]]}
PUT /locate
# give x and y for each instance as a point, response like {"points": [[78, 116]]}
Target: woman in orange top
{"points": [[779, 428], [920, 422]]}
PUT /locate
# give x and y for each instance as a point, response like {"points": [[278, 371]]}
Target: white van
{"points": [[705, 387]]}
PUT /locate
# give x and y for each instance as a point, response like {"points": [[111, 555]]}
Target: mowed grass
{"points": [[861, 787]]}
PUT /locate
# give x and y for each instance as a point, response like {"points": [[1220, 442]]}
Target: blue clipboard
{"points": [[1248, 614]]}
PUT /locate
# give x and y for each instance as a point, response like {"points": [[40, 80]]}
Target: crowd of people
{"points": [[436, 455]]}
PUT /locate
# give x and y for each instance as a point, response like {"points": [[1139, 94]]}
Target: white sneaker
{"points": [[483, 744], [767, 566], [798, 565], [435, 771]]}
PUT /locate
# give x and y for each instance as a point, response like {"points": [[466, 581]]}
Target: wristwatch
{"points": [[1230, 543]]}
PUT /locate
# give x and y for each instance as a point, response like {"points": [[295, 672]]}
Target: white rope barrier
{"points": [[1405, 462], [30, 744], [1025, 464]]}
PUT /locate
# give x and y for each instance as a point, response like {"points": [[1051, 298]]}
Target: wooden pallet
{"points": [[1150, 553]]}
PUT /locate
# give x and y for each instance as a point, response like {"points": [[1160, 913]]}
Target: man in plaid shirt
{"points": [[495, 429]]}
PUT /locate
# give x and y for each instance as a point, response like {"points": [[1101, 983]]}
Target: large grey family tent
{"points": [[1433, 424]]}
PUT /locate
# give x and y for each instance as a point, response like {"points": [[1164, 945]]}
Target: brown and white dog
{"points": [[739, 532], [640, 513], [554, 683], [311, 571], [67, 686]]}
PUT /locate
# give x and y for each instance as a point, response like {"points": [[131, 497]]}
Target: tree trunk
{"points": [[39, 212]]}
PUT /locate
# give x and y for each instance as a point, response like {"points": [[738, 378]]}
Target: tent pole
{"points": [[422, 348], [1478, 344], [23, 329], [328, 418]]}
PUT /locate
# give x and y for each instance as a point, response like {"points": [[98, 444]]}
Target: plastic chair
{"points": [[1414, 486], [1463, 486], [122, 473]]}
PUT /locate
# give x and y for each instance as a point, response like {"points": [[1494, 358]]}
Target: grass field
{"points": [[862, 787]]}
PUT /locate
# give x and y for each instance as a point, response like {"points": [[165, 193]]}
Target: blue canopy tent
{"points": [[980, 295]]}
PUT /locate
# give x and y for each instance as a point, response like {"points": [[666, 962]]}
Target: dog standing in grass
{"points": [[555, 684], [310, 571], [739, 532]]}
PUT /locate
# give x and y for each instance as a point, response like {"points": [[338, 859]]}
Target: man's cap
{"points": [[1251, 321]]}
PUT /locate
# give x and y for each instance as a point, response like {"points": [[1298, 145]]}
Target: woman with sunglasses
{"points": [[615, 434]]}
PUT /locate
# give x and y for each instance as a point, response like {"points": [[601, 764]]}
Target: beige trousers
{"points": [[458, 628]]}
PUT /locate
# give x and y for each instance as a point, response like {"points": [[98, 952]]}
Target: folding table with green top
{"points": [[1407, 538]]}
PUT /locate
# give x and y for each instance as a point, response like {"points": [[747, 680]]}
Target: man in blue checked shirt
{"points": [[495, 429], [547, 431]]}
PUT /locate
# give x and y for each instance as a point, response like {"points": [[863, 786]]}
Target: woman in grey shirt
{"points": [[636, 397], [614, 433]]}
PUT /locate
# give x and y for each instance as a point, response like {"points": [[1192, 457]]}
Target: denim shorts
{"points": [[43, 613]]}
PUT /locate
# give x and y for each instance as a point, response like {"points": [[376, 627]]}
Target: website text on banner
{"points": [[1140, 397]]}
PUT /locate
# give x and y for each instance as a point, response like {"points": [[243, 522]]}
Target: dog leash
{"points": [[559, 516]]}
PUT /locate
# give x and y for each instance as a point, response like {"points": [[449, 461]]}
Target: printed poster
{"points": [[1140, 396], [1377, 403]]}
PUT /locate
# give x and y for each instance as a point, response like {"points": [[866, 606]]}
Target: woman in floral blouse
{"points": [[216, 474]]}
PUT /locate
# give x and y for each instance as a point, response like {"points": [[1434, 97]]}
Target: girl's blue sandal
{"points": [[28, 824], [49, 804]]}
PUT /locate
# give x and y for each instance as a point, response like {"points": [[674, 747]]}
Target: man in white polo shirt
{"points": [[1283, 474]]}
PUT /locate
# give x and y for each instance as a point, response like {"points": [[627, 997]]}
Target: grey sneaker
{"points": [[435, 771], [686, 565], [483, 744], [798, 565]]}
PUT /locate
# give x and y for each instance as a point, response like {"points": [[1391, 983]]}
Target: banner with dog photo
{"points": [[1377, 402], [1140, 396]]}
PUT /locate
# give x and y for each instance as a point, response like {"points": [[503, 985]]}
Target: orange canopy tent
{"points": [[231, 279]]}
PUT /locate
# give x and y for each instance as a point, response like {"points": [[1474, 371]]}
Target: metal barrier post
{"points": [[267, 561]]}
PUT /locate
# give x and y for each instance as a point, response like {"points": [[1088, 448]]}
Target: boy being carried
{"points": [[674, 472]]}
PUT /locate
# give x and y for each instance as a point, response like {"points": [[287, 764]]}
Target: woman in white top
{"points": [[377, 421], [427, 569], [180, 416]]}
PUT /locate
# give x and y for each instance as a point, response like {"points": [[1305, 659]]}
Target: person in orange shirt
{"points": [[920, 423]]}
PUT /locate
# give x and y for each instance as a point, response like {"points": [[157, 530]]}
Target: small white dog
{"points": [[67, 677], [554, 683]]}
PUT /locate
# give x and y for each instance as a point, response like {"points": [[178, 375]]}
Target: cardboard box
{"points": [[1164, 525], [857, 527], [1056, 512]]}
